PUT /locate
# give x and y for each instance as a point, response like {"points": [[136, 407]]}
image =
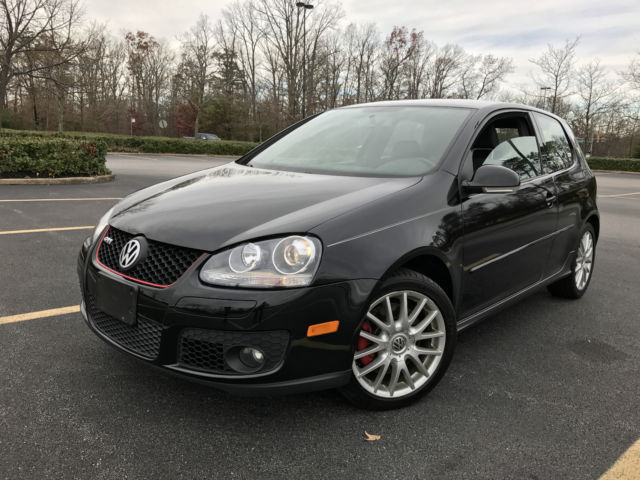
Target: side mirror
{"points": [[492, 179]]}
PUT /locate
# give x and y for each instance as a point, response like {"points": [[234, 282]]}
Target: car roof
{"points": [[486, 105]]}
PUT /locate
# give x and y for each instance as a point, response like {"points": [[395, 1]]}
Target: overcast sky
{"points": [[609, 30]]}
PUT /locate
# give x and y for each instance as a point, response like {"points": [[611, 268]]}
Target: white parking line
{"points": [[618, 195], [40, 230]]}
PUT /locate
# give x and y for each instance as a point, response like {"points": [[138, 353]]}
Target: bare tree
{"points": [[330, 64], [362, 48], [197, 61], [396, 50], [243, 19], [632, 74], [483, 75], [149, 63], [444, 72], [23, 26], [100, 81], [415, 68], [283, 29], [556, 66], [594, 94]]}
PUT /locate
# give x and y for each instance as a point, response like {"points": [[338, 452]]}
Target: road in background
{"points": [[546, 389]]}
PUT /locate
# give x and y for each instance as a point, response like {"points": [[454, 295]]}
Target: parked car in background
{"points": [[207, 136], [203, 136], [347, 251]]}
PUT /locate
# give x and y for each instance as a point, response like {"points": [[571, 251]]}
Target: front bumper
{"points": [[188, 328]]}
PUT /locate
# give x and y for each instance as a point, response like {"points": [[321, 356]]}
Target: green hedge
{"points": [[622, 164], [51, 157], [125, 143]]}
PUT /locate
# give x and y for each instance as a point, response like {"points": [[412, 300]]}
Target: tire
{"points": [[574, 285], [397, 362]]}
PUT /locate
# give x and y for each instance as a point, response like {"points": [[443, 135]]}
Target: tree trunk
{"points": [[4, 83]]}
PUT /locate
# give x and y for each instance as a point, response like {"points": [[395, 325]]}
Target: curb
{"points": [[57, 181], [205, 155]]}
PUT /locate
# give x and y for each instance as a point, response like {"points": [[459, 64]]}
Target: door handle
{"points": [[551, 200]]}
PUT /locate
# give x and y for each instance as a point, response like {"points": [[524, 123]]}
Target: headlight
{"points": [[279, 262], [102, 223]]}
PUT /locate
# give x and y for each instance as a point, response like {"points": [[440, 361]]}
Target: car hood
{"points": [[221, 206]]}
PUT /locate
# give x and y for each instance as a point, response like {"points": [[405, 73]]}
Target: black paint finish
{"points": [[492, 247]]}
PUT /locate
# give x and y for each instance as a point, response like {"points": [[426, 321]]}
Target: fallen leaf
{"points": [[371, 438]]}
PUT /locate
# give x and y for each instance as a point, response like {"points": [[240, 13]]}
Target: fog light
{"points": [[251, 357]]}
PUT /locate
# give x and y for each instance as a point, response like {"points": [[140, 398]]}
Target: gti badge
{"points": [[129, 253], [108, 240]]}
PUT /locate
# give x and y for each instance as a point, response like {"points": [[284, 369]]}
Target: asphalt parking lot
{"points": [[546, 389]]}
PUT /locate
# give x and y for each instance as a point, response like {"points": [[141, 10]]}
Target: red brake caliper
{"points": [[364, 343]]}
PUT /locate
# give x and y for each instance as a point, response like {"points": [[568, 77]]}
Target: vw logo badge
{"points": [[398, 344], [129, 254]]}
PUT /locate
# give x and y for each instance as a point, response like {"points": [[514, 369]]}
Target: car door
{"points": [[507, 236]]}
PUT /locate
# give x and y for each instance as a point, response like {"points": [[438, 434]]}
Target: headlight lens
{"points": [[279, 262], [102, 223]]}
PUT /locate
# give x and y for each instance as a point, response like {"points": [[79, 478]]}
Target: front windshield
{"points": [[378, 141]]}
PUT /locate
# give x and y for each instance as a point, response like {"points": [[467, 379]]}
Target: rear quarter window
{"points": [[556, 147]]}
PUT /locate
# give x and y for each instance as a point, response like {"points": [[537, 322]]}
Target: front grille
{"points": [[162, 266], [204, 350], [143, 338]]}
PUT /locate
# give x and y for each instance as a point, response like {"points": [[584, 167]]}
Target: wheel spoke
{"points": [[420, 366], [416, 311], [407, 376], [377, 363], [425, 322], [426, 351], [579, 274], [377, 321], [378, 381], [395, 376], [428, 335], [404, 313], [371, 337], [367, 351], [390, 318]]}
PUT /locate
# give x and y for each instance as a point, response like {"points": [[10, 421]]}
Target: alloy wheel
{"points": [[400, 344], [584, 261]]}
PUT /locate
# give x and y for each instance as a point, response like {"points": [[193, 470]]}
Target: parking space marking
{"points": [[54, 312], [57, 199], [40, 230], [618, 195], [627, 467]]}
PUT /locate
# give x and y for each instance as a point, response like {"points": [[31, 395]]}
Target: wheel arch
{"points": [[431, 263], [594, 220]]}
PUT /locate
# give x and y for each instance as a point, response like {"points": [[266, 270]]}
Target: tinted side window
{"points": [[520, 154], [556, 145]]}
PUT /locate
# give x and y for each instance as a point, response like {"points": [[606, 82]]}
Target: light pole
{"points": [[544, 96], [305, 7]]}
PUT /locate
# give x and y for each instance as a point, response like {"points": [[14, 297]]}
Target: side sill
{"points": [[474, 318]]}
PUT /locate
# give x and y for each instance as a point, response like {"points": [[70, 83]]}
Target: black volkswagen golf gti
{"points": [[347, 251]]}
